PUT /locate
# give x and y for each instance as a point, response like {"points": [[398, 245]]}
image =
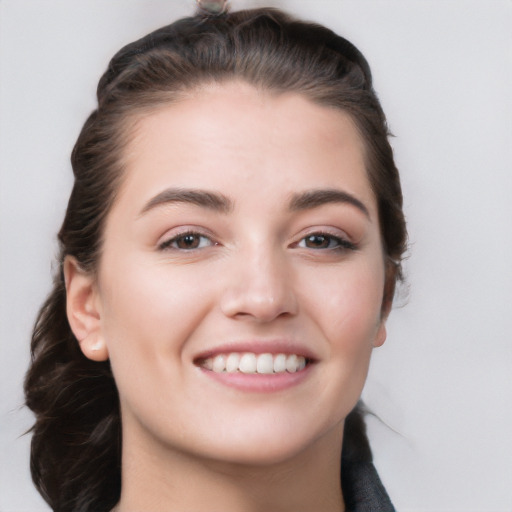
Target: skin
{"points": [[189, 441]]}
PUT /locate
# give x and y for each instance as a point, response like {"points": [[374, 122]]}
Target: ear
{"points": [[380, 336], [387, 302], [83, 310]]}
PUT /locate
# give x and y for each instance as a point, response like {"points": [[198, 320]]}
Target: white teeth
{"points": [[232, 362], [291, 363], [254, 363], [265, 363], [219, 363], [248, 363], [280, 363]]}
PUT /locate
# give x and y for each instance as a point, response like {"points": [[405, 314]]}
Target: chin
{"points": [[274, 444]]}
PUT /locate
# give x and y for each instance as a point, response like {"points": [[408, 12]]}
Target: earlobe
{"points": [[83, 310], [387, 302], [381, 335]]}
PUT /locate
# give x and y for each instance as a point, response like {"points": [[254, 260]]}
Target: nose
{"points": [[259, 288]]}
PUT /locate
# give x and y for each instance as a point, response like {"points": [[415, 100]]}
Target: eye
{"points": [[325, 241], [187, 241]]}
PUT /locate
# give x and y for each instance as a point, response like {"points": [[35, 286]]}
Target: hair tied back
{"points": [[212, 7]]}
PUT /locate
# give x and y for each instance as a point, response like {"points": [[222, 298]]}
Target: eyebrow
{"points": [[315, 198], [220, 203], [210, 200]]}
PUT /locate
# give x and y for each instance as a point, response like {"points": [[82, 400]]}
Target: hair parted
{"points": [[76, 444]]}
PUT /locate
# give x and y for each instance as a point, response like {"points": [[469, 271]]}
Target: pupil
{"points": [[317, 240], [189, 241]]}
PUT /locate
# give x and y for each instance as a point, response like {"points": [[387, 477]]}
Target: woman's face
{"points": [[245, 225]]}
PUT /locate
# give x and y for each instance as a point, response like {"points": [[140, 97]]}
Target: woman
{"points": [[228, 261]]}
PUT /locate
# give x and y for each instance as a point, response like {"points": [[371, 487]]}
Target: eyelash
{"points": [[341, 244], [168, 244]]}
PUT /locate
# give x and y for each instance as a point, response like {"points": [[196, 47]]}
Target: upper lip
{"points": [[277, 346]]}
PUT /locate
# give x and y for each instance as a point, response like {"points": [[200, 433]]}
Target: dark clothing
{"points": [[362, 489]]}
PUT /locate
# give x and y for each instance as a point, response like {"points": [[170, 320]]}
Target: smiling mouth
{"points": [[251, 363]]}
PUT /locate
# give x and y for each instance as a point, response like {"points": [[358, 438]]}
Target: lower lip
{"points": [[260, 383]]}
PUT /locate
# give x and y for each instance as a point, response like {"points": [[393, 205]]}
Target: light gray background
{"points": [[442, 382]]}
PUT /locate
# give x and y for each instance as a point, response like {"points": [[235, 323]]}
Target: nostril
{"points": [[250, 304]]}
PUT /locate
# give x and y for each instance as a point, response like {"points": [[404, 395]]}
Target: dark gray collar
{"points": [[362, 489]]}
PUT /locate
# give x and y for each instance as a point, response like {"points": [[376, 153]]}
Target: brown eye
{"points": [[318, 241], [325, 241], [187, 242]]}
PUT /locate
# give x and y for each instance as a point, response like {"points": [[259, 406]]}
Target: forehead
{"points": [[221, 135]]}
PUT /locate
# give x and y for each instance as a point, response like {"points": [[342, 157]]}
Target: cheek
{"points": [[350, 310], [150, 311], [149, 308], [345, 312]]}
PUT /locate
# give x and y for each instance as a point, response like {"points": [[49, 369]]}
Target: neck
{"points": [[162, 479]]}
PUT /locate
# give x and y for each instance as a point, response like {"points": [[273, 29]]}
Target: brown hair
{"points": [[76, 444]]}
